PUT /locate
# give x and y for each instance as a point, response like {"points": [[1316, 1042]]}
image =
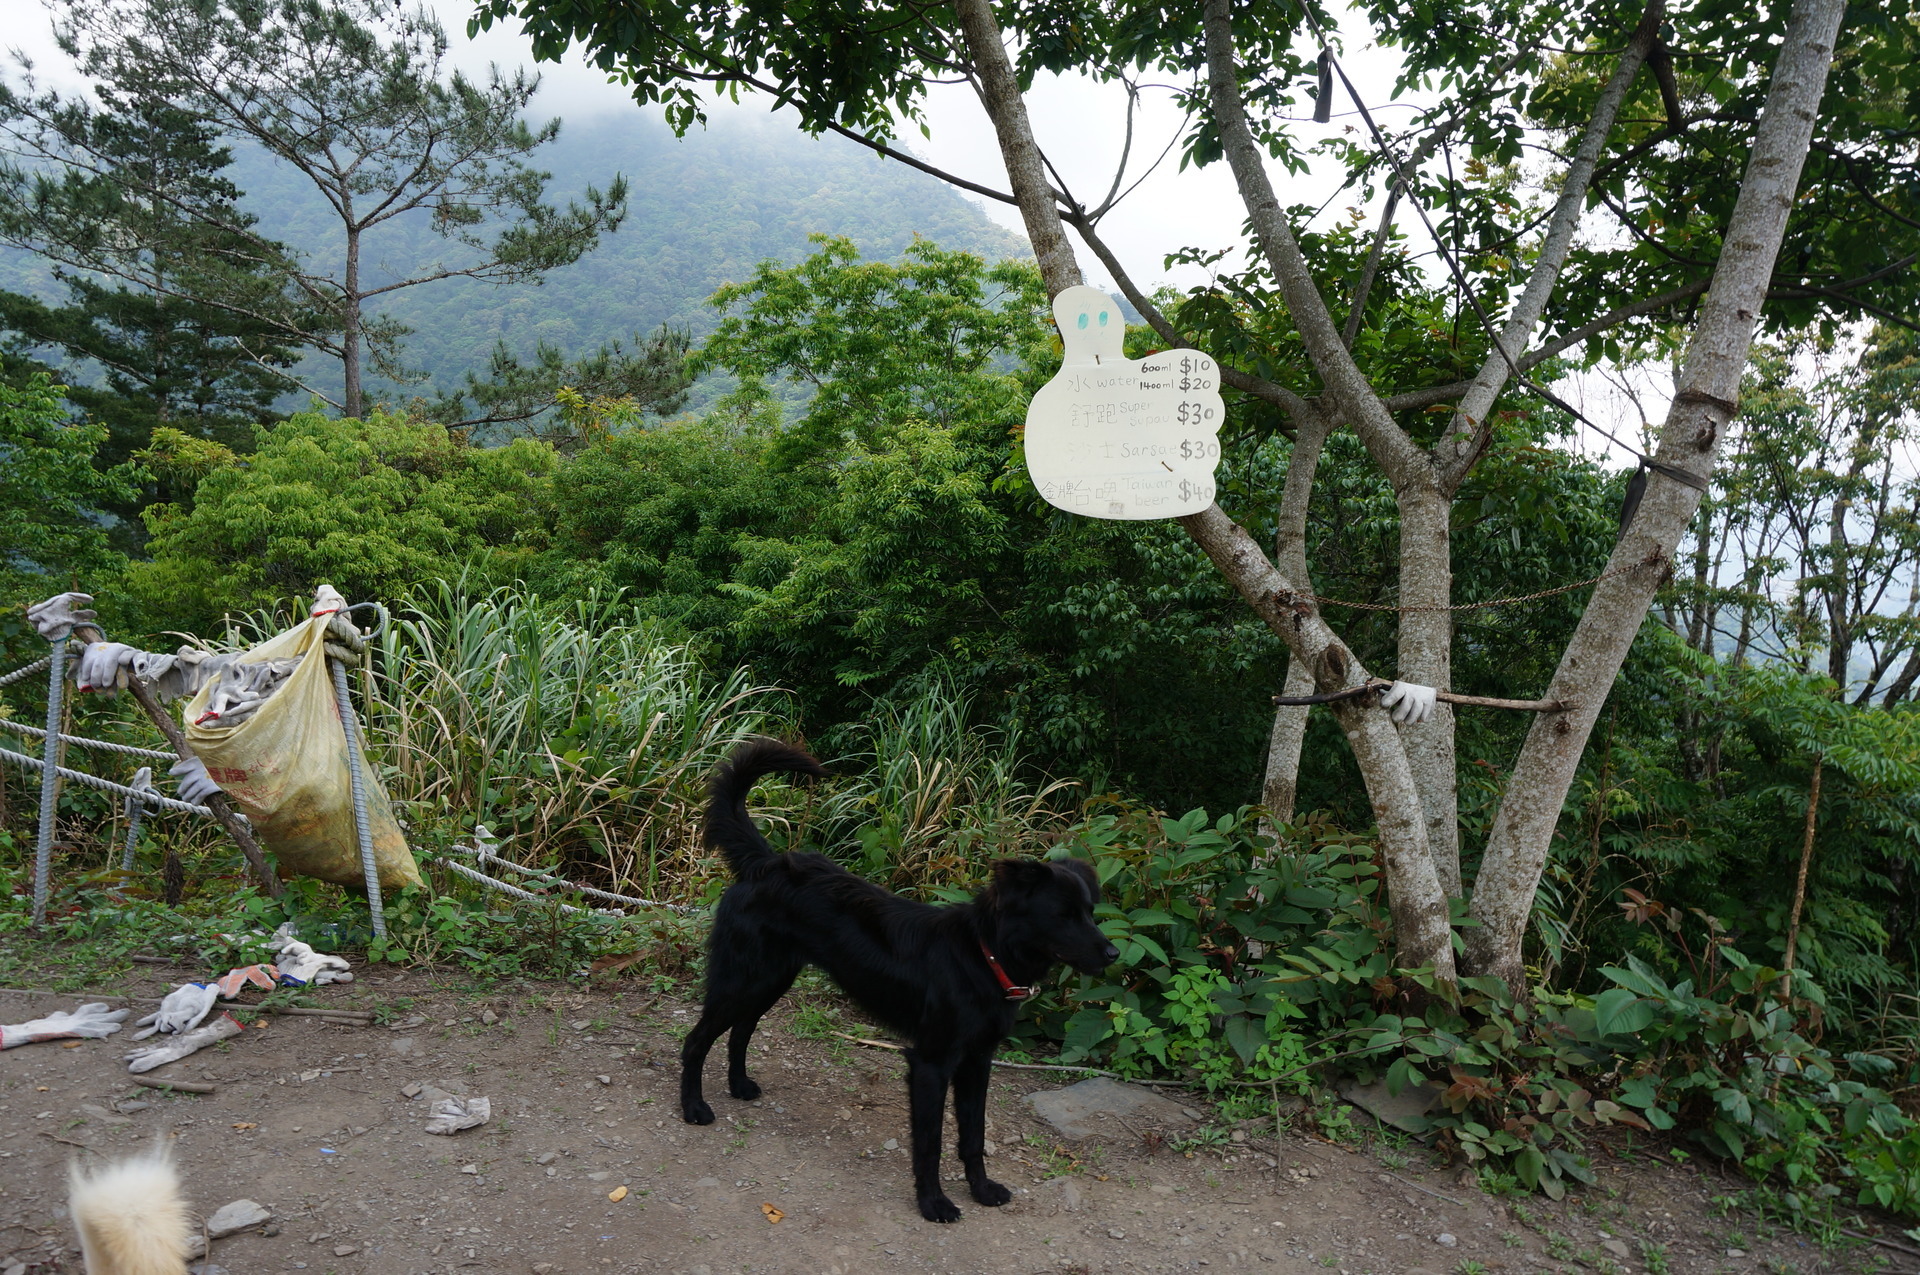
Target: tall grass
{"points": [[582, 734], [576, 727], [927, 795]]}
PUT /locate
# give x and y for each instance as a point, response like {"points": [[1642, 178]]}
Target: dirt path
{"points": [[310, 1119]]}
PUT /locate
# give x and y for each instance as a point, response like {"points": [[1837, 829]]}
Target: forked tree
{"points": [[1676, 139]]}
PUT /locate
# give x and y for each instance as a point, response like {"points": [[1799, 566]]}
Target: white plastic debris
{"points": [[449, 1115]]}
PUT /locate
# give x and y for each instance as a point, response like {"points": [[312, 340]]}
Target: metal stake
{"points": [[351, 726], [49, 782]]}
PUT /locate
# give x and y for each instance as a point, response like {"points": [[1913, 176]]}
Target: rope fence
{"points": [[145, 795], [548, 879], [1625, 568], [99, 745], [21, 674]]}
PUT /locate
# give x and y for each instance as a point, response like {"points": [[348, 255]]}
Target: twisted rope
{"points": [[7, 723], [21, 673], [515, 890], [1621, 570], [560, 883], [105, 785]]}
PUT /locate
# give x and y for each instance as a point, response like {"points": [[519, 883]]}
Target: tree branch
{"points": [[1280, 396], [1467, 433], [1399, 458]]}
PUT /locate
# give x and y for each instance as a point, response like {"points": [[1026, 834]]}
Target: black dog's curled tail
{"points": [[729, 826]]}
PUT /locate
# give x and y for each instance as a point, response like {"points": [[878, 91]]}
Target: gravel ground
{"points": [[312, 1119]]}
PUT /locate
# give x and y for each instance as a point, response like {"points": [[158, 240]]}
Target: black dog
{"points": [[947, 978]]}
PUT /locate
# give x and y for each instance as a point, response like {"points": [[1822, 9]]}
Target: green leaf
{"points": [[1619, 1011], [1246, 1036]]}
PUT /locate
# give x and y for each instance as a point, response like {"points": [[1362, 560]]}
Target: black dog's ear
{"points": [[1020, 872], [1086, 875]]}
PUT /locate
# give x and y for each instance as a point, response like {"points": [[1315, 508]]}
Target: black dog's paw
{"points": [[696, 1112], [939, 1209], [744, 1089], [990, 1193]]}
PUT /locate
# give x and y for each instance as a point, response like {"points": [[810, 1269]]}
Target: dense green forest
{"points": [[809, 514]]}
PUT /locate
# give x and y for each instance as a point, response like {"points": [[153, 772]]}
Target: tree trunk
{"points": [[350, 328], [1426, 657], [1280, 788], [1704, 402], [1422, 933], [1026, 170]]}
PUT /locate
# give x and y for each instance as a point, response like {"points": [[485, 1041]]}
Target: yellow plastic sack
{"points": [[285, 767]]}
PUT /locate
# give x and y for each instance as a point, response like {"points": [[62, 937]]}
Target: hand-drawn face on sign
{"points": [[1110, 437]]}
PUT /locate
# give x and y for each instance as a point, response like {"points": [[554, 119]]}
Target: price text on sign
{"points": [[1111, 437]]}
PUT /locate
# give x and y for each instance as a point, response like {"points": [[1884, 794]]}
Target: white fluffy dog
{"points": [[131, 1217]]}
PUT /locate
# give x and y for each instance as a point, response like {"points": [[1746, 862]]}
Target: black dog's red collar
{"points": [[1014, 991]]}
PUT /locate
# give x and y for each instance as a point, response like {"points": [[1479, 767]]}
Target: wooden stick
{"points": [[1471, 701], [1519, 705], [183, 1086], [1874, 1239], [217, 803], [1800, 885], [357, 1015]]}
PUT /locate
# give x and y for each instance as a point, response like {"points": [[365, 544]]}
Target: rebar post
{"points": [[351, 726], [49, 781]]}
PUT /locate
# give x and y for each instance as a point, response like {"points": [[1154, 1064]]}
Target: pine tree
{"points": [[129, 203]]}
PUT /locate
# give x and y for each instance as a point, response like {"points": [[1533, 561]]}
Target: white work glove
{"points": [[181, 1011], [1409, 701], [151, 666], [100, 664], [197, 667], [300, 965], [174, 1048], [485, 844], [327, 600], [89, 1022], [234, 981], [55, 618], [243, 688], [192, 782]]}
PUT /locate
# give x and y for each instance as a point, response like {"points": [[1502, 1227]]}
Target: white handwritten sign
{"points": [[1112, 437]]}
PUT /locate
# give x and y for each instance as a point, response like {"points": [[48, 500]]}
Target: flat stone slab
{"points": [[237, 1216], [1399, 1110], [1100, 1105]]}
